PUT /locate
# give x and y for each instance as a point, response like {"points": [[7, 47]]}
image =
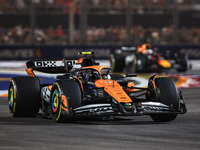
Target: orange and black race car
{"points": [[145, 59], [86, 89]]}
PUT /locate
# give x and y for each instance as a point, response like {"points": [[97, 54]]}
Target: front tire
{"points": [[163, 117], [167, 94], [65, 96]]}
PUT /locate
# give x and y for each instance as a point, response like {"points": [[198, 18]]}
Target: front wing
{"points": [[138, 109]]}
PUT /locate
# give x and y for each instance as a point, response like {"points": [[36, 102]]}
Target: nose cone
{"points": [[164, 63], [114, 90]]}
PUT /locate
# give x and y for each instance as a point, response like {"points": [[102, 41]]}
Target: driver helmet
{"points": [[80, 77], [95, 75], [104, 77]]}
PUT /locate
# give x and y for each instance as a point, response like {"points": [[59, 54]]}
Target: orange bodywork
{"points": [[129, 90], [164, 63], [140, 49], [50, 87], [114, 89], [143, 48], [64, 102], [79, 61], [30, 72], [154, 83]]}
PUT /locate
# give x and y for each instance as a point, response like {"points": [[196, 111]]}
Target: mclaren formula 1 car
{"points": [[144, 59], [86, 89]]}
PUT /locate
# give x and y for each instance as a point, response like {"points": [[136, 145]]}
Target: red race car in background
{"points": [[145, 59]]}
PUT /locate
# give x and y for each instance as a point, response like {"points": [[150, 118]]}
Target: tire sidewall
{"points": [[56, 112], [117, 62], [68, 91], [167, 92], [12, 98]]}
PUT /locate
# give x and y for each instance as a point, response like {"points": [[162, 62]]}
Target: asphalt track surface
{"points": [[122, 133], [127, 133]]}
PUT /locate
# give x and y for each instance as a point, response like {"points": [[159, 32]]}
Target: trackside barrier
{"points": [[27, 52]]}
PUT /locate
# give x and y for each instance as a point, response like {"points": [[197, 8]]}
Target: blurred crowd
{"points": [[42, 6], [99, 35], [24, 35], [62, 6], [94, 34]]}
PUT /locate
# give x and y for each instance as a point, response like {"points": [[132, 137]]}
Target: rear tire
{"points": [[117, 62], [167, 93], [139, 63], [65, 96], [134, 64], [24, 96]]}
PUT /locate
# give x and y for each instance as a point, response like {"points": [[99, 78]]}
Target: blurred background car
{"points": [[144, 58]]}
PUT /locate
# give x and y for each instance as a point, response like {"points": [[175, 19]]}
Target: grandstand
{"points": [[160, 22]]}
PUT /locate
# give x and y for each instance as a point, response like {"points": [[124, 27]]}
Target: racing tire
{"points": [[163, 117], [182, 60], [167, 93], [134, 64], [117, 62], [24, 96], [139, 63], [65, 96]]}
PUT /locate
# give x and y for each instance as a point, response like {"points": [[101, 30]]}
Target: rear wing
{"points": [[61, 66], [51, 66], [129, 48]]}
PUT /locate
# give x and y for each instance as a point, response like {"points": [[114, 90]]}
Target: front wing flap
{"points": [[143, 108]]}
